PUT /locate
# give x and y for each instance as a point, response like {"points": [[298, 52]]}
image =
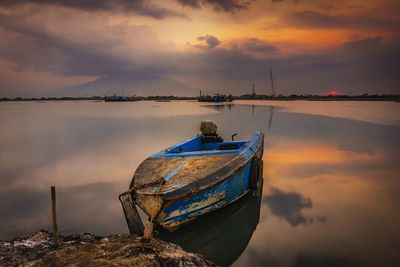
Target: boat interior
{"points": [[200, 145]]}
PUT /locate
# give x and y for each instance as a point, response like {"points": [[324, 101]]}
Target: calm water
{"points": [[331, 193]]}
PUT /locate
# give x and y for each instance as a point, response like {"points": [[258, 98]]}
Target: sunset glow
{"points": [[332, 93], [199, 45]]}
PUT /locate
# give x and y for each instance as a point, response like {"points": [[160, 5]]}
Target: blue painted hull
{"points": [[182, 211]]}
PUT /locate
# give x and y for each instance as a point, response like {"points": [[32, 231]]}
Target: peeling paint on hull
{"points": [[181, 211]]}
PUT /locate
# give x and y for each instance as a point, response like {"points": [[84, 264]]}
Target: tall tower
{"points": [[272, 82], [253, 93]]}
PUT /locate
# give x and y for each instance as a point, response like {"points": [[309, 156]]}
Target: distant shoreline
{"points": [[365, 97]]}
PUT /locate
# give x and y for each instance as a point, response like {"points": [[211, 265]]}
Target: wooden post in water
{"points": [[54, 214]]}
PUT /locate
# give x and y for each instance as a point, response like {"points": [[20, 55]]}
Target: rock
{"points": [[90, 250]]}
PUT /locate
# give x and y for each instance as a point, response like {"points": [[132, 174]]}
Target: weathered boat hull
{"points": [[174, 203], [175, 213]]}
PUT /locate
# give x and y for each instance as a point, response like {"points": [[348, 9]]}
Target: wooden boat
{"points": [[197, 176]]}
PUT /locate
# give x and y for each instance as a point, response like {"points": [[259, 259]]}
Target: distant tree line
{"points": [[367, 97], [383, 97]]}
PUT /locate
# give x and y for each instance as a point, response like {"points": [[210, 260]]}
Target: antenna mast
{"points": [[272, 82]]}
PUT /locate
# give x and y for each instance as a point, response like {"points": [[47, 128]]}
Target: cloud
{"points": [[313, 19], [139, 7], [289, 206], [365, 45], [89, 46], [371, 58], [31, 45], [218, 5], [209, 40], [356, 67], [256, 46]]}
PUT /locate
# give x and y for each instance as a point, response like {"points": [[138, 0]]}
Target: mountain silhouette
{"points": [[128, 84]]}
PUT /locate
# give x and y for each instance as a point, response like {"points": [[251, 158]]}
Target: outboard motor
{"points": [[208, 131]]}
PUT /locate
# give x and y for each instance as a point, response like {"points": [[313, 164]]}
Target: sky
{"points": [[224, 46]]}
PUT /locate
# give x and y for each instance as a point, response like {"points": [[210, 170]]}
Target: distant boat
{"points": [[214, 98], [199, 175], [115, 98]]}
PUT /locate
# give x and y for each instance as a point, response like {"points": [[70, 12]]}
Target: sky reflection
{"points": [[331, 185]]}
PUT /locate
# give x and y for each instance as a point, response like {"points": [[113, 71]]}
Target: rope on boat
{"points": [[139, 186], [132, 217], [148, 228]]}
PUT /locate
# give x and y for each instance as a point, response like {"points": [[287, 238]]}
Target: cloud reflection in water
{"points": [[289, 205]]}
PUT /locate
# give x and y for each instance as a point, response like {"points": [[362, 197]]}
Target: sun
{"points": [[333, 92]]}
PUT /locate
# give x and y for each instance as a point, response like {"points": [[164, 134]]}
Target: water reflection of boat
{"points": [[220, 107], [222, 235]]}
